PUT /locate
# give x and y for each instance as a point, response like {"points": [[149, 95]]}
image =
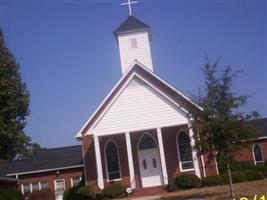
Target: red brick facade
{"points": [[247, 153], [50, 177], [171, 156]]}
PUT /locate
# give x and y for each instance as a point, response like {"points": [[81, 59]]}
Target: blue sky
{"points": [[69, 58]]}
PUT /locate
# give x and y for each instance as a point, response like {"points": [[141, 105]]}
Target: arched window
{"points": [[112, 161], [147, 142], [257, 154], [184, 151]]}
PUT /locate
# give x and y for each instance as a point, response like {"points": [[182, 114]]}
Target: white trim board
{"points": [[45, 170], [79, 134]]}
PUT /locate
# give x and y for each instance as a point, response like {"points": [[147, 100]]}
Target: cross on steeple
{"points": [[129, 5]]}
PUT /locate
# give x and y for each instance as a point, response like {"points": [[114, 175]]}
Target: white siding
{"points": [[141, 53], [139, 107]]}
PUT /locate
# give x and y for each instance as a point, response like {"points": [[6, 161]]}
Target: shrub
{"points": [[114, 190], [186, 181], [241, 165], [235, 166], [262, 169], [215, 180], [254, 175], [70, 194], [84, 191], [88, 192], [239, 176], [46, 194], [10, 194]]}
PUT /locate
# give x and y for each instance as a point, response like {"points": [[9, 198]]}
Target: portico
{"points": [[145, 157]]}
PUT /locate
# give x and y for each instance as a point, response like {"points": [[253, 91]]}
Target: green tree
{"points": [[221, 129], [14, 107]]}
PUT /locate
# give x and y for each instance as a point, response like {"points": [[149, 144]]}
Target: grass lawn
{"points": [[247, 189]]}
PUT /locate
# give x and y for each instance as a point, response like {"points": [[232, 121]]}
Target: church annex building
{"points": [[140, 134]]}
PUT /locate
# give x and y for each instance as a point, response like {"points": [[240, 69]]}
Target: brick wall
{"points": [[247, 155], [121, 144], [89, 160], [170, 148], [50, 177]]}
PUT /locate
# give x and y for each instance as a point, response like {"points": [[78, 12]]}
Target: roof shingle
{"points": [[45, 159], [131, 24]]}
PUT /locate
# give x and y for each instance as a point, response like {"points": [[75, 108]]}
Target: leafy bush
{"points": [[82, 193], [262, 169], [46, 194], [88, 192], [114, 190], [215, 180], [241, 165], [186, 181], [254, 175], [10, 194], [239, 176], [70, 194]]}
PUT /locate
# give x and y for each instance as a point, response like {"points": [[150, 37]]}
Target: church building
{"points": [[141, 133]]}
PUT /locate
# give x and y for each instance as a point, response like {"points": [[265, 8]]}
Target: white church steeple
{"points": [[133, 38]]}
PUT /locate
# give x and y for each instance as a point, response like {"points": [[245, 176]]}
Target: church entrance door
{"points": [[149, 162]]}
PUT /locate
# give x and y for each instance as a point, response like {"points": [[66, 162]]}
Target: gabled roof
{"points": [[131, 24], [45, 160], [137, 68]]}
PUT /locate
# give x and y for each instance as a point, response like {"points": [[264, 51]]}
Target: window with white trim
{"points": [[30, 187], [60, 184], [184, 151], [112, 161], [76, 181], [44, 185], [257, 154], [35, 186], [26, 188]]}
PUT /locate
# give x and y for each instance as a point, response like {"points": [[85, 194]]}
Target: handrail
{"points": [[133, 181], [131, 184]]}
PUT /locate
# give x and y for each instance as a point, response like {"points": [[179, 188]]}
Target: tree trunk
{"points": [[230, 180]]}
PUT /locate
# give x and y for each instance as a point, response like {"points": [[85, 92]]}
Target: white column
{"points": [[162, 157], [130, 159], [100, 181], [194, 152]]}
